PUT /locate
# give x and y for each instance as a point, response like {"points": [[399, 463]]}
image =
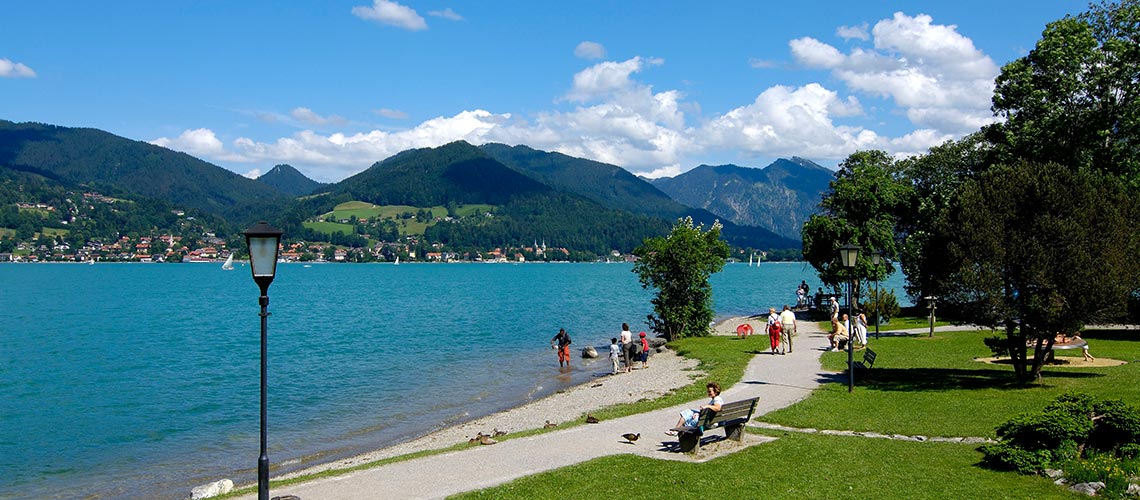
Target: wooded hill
{"points": [[570, 202]]}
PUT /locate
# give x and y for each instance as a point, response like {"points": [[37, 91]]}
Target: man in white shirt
{"points": [[788, 320]]}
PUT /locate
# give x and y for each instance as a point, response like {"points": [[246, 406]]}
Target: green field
{"points": [[367, 211], [51, 231]]}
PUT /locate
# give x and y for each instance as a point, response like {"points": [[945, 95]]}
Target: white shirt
{"points": [[788, 318]]}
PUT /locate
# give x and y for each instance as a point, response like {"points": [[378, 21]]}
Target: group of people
{"points": [[628, 351], [841, 330], [623, 349], [781, 328]]}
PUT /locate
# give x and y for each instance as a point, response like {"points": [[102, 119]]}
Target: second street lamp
{"points": [[849, 255], [876, 257]]}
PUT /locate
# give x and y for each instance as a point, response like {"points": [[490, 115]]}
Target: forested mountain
{"points": [[779, 197], [614, 187], [106, 162], [289, 181]]}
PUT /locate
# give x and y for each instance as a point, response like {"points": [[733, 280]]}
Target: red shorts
{"points": [[564, 353]]}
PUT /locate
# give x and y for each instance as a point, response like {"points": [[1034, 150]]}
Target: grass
{"points": [[365, 210], [330, 227], [795, 466], [900, 323], [919, 385]]}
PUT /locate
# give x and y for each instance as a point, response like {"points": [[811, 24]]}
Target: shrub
{"points": [[883, 303]]}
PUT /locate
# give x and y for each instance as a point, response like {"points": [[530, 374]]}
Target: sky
{"points": [[656, 87]]}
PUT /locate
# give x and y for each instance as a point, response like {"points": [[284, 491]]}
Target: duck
{"points": [[485, 439], [590, 419], [497, 433], [631, 437], [549, 425]]}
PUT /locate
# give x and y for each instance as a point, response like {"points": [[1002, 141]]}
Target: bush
{"points": [[882, 303], [1071, 427]]}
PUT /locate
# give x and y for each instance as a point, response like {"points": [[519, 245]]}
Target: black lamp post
{"points": [[849, 255], [262, 241], [876, 257]]}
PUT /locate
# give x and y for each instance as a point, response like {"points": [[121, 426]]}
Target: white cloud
{"points": [[760, 63], [589, 50], [446, 14], [611, 114], [9, 69], [306, 115], [252, 174], [197, 142], [931, 71], [394, 114], [392, 14], [853, 32], [815, 54]]}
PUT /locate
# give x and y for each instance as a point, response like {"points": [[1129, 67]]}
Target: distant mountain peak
{"points": [[289, 180]]}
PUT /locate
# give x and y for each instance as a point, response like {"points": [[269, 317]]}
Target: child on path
{"points": [[614, 355], [644, 351]]}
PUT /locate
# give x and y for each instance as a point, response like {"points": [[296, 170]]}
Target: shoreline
{"points": [[666, 372]]}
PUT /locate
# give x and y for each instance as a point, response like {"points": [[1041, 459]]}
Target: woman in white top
{"points": [[689, 416], [626, 339], [860, 328]]}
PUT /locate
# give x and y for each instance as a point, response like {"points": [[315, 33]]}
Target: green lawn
{"points": [[795, 466], [895, 324], [919, 385], [365, 210]]}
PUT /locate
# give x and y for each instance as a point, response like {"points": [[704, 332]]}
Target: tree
{"points": [[861, 207], [1075, 98], [1039, 249], [679, 266]]}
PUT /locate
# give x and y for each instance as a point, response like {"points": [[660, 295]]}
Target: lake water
{"points": [[142, 380]]}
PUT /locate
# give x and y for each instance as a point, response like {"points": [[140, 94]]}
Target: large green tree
{"points": [[862, 206], [1075, 98], [1039, 249], [678, 266]]}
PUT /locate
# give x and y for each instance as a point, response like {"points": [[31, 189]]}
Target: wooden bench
{"points": [[732, 417], [868, 361]]}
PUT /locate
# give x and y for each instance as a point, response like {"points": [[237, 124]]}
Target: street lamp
{"points": [[262, 241], [849, 255], [875, 258]]}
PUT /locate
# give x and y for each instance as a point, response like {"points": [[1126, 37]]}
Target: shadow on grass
{"points": [[946, 379]]}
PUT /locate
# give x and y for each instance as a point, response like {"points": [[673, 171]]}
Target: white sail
{"points": [[397, 260], [749, 260], [229, 265]]}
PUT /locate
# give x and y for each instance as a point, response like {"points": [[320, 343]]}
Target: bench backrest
{"points": [[729, 411], [869, 357]]}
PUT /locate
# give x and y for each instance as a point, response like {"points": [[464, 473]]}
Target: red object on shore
{"points": [[744, 330]]}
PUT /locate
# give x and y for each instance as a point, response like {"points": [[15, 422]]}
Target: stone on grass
{"points": [[212, 489], [1089, 489]]}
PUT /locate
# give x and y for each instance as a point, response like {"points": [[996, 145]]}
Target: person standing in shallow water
{"points": [[563, 347]]}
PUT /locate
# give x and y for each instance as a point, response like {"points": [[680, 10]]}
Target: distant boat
{"points": [[397, 260], [229, 265]]}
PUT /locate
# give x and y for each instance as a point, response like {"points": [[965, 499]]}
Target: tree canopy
{"points": [[679, 266]]}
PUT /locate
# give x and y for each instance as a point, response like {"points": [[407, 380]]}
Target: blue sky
{"points": [[657, 87]]}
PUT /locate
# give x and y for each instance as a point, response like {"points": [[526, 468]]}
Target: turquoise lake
{"points": [[142, 380]]}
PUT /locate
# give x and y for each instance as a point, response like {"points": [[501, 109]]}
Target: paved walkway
{"points": [[777, 380]]}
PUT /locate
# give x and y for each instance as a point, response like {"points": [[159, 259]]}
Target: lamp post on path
{"points": [[849, 255], [875, 258], [262, 241]]}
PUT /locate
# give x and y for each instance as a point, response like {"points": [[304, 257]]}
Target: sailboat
{"points": [[749, 260], [229, 265], [397, 260]]}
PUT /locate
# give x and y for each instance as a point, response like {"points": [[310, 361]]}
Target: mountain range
{"points": [[536, 191]]}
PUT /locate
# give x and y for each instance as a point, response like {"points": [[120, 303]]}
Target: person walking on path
{"points": [[774, 329], [860, 327], [834, 308], [614, 355], [563, 341], [626, 339], [788, 324]]}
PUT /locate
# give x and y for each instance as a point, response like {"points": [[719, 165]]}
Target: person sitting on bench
{"points": [[838, 336], [690, 416]]}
